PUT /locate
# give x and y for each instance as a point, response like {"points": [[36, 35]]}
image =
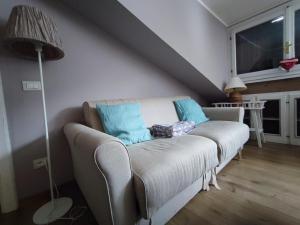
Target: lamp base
{"points": [[235, 97], [47, 213]]}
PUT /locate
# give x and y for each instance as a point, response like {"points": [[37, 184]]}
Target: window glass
{"points": [[271, 127], [271, 109], [297, 34], [260, 47], [271, 117]]}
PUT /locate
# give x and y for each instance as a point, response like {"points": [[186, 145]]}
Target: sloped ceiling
{"points": [[230, 12], [123, 25]]}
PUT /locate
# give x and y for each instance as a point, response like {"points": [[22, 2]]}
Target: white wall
{"points": [[8, 194], [191, 31], [95, 66]]}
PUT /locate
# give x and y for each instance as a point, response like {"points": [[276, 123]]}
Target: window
{"points": [[271, 117], [294, 103], [260, 43], [257, 50], [297, 34]]}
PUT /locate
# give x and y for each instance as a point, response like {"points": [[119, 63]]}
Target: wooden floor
{"points": [[27, 207], [263, 188]]}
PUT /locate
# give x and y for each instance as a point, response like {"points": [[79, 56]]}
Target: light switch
{"points": [[31, 85]]}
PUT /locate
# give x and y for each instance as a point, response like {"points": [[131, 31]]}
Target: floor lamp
{"points": [[33, 35]]}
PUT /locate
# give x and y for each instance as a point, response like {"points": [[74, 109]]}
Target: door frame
{"points": [[294, 140], [8, 193]]}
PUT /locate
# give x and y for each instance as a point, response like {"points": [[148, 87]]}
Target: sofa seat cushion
{"points": [[229, 136], [164, 167]]}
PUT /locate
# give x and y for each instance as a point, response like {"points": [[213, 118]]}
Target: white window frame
{"points": [[288, 11], [295, 140]]}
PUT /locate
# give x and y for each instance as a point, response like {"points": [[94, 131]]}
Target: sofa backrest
{"points": [[154, 110]]}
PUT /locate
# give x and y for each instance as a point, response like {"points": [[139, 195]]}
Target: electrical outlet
{"points": [[39, 163]]}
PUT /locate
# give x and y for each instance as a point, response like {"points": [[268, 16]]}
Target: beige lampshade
{"points": [[235, 84], [28, 27]]}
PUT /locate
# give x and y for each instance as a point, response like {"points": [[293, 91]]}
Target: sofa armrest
{"points": [[102, 170], [225, 113]]}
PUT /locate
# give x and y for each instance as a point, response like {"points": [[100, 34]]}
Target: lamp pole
{"points": [[39, 50], [57, 207]]}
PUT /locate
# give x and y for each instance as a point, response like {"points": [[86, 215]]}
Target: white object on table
{"points": [[255, 108]]}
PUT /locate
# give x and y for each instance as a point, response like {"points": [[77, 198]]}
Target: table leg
{"points": [[259, 114], [255, 122]]}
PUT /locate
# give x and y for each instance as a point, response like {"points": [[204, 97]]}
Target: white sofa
{"points": [[149, 182]]}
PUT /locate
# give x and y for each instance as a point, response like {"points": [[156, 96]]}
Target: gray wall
{"points": [[191, 31], [95, 67]]}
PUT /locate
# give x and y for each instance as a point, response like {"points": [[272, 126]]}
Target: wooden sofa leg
{"points": [[240, 156]]}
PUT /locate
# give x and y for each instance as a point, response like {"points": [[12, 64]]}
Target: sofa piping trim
{"points": [[99, 168]]}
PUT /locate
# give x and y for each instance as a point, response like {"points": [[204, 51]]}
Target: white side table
{"points": [[255, 108]]}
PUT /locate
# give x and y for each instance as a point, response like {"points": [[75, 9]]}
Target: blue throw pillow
{"points": [[124, 121], [190, 110]]}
